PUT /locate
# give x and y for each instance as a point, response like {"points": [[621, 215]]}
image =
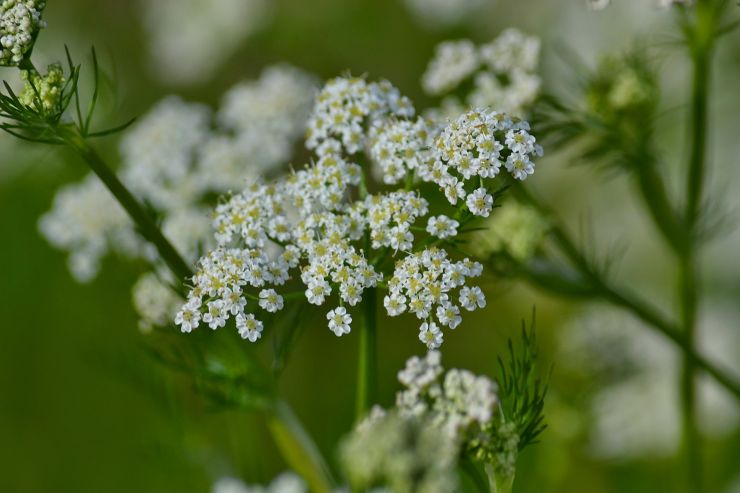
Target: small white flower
{"points": [[480, 202], [449, 315], [249, 327], [442, 226], [317, 292], [395, 304], [339, 321], [270, 300], [188, 318], [215, 317], [472, 298], [430, 335]]}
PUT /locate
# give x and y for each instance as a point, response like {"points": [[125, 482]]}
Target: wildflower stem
{"points": [[148, 228], [700, 37], [367, 359], [298, 449]]}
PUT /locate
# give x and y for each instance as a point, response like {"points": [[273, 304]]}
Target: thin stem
{"points": [[367, 358], [701, 42], [298, 449], [148, 228]]}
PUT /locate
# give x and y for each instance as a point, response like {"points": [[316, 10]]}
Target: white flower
{"points": [[155, 302], [512, 51], [519, 166], [442, 226], [270, 301], [399, 147], [480, 202], [449, 315], [188, 318], [346, 107], [502, 74], [472, 298], [215, 315], [87, 221], [395, 304], [453, 62], [248, 327], [20, 21], [430, 335], [460, 405], [339, 321], [190, 39]]}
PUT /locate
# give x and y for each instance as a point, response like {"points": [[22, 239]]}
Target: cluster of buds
{"points": [[20, 21]]}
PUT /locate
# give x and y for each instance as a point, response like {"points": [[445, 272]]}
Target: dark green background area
{"points": [[84, 408]]}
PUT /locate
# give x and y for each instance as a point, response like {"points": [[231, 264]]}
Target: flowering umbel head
{"points": [[321, 224], [20, 21]]}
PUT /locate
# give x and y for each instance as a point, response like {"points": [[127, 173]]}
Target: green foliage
{"points": [[35, 116], [521, 390]]}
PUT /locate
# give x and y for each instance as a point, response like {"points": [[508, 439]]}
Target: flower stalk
{"points": [[144, 222], [701, 37]]}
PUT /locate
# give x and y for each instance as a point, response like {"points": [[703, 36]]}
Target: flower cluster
{"points": [[474, 147], [424, 283], [399, 147], [20, 21], [345, 107], [320, 224], [458, 403], [503, 72], [86, 221], [43, 90], [402, 453], [190, 39], [457, 157]]}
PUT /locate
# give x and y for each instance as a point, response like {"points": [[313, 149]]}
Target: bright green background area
{"points": [[83, 408]]}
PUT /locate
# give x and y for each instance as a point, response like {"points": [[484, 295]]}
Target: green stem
{"points": [[367, 358], [498, 483], [148, 228], [298, 449], [701, 42]]}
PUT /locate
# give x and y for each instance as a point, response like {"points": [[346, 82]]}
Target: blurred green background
{"points": [[84, 408]]}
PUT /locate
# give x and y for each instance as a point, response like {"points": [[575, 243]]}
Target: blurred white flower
{"points": [[636, 407], [286, 482], [86, 220], [154, 301], [503, 73], [190, 39]]}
